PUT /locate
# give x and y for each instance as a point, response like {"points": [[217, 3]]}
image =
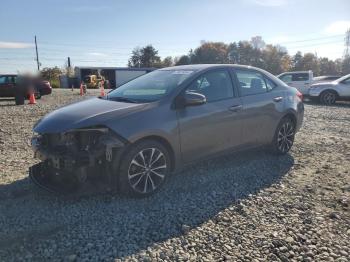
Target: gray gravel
{"points": [[249, 206]]}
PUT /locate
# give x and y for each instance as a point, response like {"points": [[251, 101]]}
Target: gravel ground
{"points": [[249, 206]]}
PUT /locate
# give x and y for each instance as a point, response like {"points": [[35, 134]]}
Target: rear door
{"points": [[262, 104], [300, 81], [5, 87], [214, 126]]}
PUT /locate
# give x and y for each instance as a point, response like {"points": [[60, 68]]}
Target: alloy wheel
{"points": [[147, 170], [328, 98], [285, 137]]}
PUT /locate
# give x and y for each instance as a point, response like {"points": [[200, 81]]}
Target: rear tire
{"points": [[284, 137], [328, 98], [144, 168]]}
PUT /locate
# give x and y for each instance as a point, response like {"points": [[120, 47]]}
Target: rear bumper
{"points": [[45, 91]]}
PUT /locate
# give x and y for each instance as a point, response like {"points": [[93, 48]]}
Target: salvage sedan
{"points": [[133, 138]]}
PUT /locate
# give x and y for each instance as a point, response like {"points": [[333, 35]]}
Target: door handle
{"points": [[278, 99], [236, 108]]}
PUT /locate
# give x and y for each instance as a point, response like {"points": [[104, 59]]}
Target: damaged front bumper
{"points": [[72, 159]]}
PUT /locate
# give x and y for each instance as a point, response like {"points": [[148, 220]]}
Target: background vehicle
{"points": [[8, 83], [150, 126], [301, 80], [320, 79], [328, 93]]}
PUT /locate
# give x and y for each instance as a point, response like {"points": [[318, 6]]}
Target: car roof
{"points": [[8, 74], [199, 67]]}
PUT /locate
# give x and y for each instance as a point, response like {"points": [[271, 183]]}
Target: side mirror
{"points": [[190, 99], [194, 99]]}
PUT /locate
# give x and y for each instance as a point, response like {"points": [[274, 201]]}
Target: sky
{"points": [[104, 32]]}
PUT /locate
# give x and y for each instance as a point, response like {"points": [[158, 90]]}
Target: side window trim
{"points": [[268, 79], [233, 85]]}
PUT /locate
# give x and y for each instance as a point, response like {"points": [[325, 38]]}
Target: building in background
{"points": [[115, 75]]}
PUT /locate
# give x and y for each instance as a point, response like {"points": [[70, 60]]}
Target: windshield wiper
{"points": [[122, 99]]}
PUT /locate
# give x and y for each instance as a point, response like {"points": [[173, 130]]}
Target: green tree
{"points": [[310, 62], [346, 65], [274, 58], [51, 73], [168, 61], [297, 61], [327, 67], [210, 53], [183, 60], [144, 57]]}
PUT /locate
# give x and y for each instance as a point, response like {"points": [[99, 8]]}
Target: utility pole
{"points": [[37, 55], [347, 44]]}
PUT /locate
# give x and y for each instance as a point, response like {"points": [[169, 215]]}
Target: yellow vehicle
{"points": [[92, 81]]}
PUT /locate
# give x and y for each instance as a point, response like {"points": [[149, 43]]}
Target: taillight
{"points": [[300, 95]]}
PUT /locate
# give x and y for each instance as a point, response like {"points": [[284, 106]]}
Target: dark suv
{"points": [[8, 83]]}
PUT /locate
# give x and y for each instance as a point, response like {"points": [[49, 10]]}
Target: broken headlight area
{"points": [[72, 159]]}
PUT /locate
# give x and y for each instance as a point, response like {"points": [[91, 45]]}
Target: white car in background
{"points": [[301, 80], [320, 79], [328, 93]]}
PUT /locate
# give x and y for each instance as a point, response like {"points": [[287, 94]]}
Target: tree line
{"points": [[272, 58]]}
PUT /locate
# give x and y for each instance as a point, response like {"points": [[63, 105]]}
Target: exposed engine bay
{"points": [[73, 158]]}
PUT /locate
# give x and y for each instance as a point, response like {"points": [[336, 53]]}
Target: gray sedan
{"points": [[137, 135]]}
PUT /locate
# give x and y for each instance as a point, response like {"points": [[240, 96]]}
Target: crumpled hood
{"points": [[90, 112]]}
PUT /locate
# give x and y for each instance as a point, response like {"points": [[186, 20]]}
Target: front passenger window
{"points": [[3, 79], [251, 82], [215, 85]]}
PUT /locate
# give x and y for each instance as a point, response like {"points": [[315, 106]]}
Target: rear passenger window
{"points": [[286, 78], [251, 82], [300, 77]]}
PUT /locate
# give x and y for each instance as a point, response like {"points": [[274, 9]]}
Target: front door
{"points": [[214, 126], [344, 88], [6, 88]]}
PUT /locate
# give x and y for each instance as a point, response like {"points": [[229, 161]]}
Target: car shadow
{"points": [[127, 225]]}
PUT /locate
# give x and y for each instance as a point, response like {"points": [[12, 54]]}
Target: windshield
{"points": [[150, 87]]}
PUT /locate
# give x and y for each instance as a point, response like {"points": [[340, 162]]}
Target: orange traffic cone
{"points": [[32, 98], [81, 89], [102, 89]]}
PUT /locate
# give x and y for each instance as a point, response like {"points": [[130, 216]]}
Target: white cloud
{"points": [[97, 54], [15, 45], [273, 3], [337, 27]]}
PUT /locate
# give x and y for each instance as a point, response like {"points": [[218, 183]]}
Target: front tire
{"points": [[328, 98], [284, 136], [144, 168]]}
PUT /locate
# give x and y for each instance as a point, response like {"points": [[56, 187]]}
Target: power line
{"points": [[37, 55]]}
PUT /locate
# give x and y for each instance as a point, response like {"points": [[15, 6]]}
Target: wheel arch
{"points": [[291, 115], [165, 143], [329, 90]]}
